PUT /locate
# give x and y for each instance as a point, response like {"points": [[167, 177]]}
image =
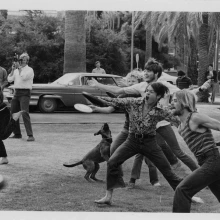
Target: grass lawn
{"points": [[37, 181]]}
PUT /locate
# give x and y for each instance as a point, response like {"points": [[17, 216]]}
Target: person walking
{"points": [[22, 75], [195, 128], [98, 69]]}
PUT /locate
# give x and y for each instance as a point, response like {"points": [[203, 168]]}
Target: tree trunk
{"points": [[192, 62], [203, 56], [148, 51], [75, 42]]}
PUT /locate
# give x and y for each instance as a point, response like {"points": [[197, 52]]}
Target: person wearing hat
{"points": [[98, 69], [22, 75]]}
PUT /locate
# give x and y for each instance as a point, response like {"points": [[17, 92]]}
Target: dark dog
{"points": [[97, 155]]}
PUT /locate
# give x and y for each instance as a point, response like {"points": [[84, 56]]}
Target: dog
{"points": [[97, 155]]}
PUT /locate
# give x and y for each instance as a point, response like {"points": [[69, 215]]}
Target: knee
{"points": [[111, 163]]}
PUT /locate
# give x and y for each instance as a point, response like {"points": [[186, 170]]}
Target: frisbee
{"points": [[83, 108], [111, 95], [94, 100]]}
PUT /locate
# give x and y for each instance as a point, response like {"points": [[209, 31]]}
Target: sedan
{"points": [[66, 91]]}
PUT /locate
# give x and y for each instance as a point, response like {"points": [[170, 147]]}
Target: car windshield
{"points": [[65, 79]]}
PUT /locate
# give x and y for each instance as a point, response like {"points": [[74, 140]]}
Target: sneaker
{"points": [[176, 165], [31, 138], [16, 136], [157, 184], [130, 186], [4, 161], [197, 200]]}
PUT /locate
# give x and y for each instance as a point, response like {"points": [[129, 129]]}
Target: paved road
{"points": [[115, 118]]}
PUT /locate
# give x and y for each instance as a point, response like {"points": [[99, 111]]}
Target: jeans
{"points": [[136, 169], [119, 140], [169, 136], [149, 148], [19, 102], [7, 132], [206, 175]]}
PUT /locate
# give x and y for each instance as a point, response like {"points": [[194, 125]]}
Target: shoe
{"points": [[31, 138], [157, 184], [16, 136], [197, 200], [130, 185], [4, 161], [176, 165], [103, 202]]}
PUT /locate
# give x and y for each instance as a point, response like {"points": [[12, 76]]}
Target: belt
{"points": [[141, 136], [209, 153]]}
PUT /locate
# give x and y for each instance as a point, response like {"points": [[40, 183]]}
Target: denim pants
{"points": [[206, 175], [119, 140], [7, 132], [169, 136], [136, 169], [149, 148], [19, 102]]}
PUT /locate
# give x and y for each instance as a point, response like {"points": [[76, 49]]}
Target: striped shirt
{"points": [[198, 143]]}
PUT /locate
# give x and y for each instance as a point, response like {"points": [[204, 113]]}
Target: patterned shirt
{"points": [[138, 123]]}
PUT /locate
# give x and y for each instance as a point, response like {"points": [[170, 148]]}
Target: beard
{"points": [[177, 112]]}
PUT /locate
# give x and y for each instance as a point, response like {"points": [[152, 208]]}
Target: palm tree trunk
{"points": [[75, 42], [203, 55], [192, 62], [148, 51]]}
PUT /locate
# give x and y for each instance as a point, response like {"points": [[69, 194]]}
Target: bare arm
{"points": [[105, 110], [205, 121], [106, 88]]}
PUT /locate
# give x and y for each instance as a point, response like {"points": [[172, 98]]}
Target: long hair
{"points": [[159, 88], [186, 99]]}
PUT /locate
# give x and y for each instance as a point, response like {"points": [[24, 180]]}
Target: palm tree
{"points": [[75, 42]]}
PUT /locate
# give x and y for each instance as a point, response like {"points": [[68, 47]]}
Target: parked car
{"points": [[168, 78], [66, 91]]}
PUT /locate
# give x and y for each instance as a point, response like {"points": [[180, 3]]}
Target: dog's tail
{"points": [[72, 164]]}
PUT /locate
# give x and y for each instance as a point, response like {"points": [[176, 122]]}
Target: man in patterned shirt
{"points": [[144, 114]]}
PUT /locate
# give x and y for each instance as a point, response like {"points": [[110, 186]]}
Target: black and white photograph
{"points": [[109, 109]]}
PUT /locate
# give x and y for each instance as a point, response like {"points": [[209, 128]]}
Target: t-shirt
{"points": [[183, 83], [140, 89], [100, 70]]}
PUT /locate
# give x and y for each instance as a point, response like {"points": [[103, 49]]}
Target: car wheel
{"points": [[47, 105]]}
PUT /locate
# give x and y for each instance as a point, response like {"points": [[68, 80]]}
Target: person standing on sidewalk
{"points": [[22, 75], [195, 128]]}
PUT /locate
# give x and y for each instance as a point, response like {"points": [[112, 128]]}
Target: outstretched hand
{"points": [[122, 83], [94, 108]]}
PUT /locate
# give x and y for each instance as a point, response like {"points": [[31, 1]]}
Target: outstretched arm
{"points": [[205, 121], [105, 110], [114, 89]]}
